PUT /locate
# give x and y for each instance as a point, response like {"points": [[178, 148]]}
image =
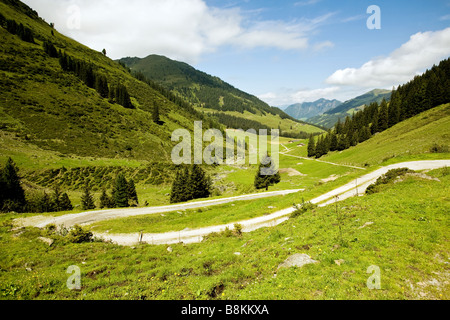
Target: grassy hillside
{"points": [[208, 93], [47, 108], [402, 230], [331, 117], [417, 137]]}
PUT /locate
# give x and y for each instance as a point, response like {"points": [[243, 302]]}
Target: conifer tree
{"points": [[383, 117], [101, 85], [56, 199], [120, 192], [199, 183], [87, 200], [311, 147], [105, 200], [263, 180], [155, 114], [180, 191], [65, 203], [12, 195], [132, 194]]}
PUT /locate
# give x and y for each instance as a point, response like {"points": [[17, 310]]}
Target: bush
{"points": [[80, 235], [304, 207], [436, 148], [387, 178]]}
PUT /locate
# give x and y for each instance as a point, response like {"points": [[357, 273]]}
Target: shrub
{"points": [[304, 207], [436, 148], [80, 235], [387, 178]]}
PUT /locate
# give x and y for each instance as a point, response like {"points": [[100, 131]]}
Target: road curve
{"points": [[355, 187], [90, 217]]}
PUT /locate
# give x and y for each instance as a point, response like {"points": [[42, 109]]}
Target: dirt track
{"points": [[355, 187]]}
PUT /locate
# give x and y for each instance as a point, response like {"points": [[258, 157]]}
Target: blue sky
{"points": [[281, 51]]}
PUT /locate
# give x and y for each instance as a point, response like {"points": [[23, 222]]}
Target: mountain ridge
{"points": [[329, 118], [306, 110]]}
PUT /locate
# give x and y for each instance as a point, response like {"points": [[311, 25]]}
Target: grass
{"points": [[197, 218], [408, 241], [408, 140]]}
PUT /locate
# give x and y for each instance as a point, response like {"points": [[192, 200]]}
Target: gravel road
{"points": [[355, 187]]}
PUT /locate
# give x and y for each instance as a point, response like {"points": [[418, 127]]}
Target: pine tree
{"points": [[65, 203], [155, 114], [180, 190], [101, 85], [12, 193], [105, 200], [132, 194], [199, 183], [87, 200], [383, 117], [311, 147], [263, 180], [333, 141], [56, 199], [122, 97], [120, 192]]}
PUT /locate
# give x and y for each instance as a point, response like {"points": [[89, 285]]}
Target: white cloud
{"points": [[412, 58], [315, 94], [180, 29], [289, 96]]}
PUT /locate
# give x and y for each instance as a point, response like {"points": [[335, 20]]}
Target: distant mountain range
{"points": [[329, 118], [306, 110]]}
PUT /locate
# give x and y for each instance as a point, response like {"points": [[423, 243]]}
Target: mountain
{"points": [[330, 117], [210, 94], [60, 96], [305, 110]]}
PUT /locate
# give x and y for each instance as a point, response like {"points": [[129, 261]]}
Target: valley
{"points": [[100, 133]]}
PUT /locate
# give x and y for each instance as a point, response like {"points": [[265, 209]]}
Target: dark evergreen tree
{"points": [[56, 200], [87, 199], [132, 194], [120, 192], [271, 176], [311, 147], [65, 203], [101, 85], [155, 114], [50, 49], [105, 200], [122, 97], [181, 192], [333, 141], [383, 117], [12, 193], [199, 183]]}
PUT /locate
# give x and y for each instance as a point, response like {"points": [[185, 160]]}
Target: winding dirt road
{"points": [[353, 188]]}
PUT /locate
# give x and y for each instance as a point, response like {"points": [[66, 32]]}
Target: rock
{"points": [[237, 253], [46, 240], [170, 249], [297, 260], [339, 262]]}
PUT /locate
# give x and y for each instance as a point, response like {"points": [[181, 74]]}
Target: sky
{"points": [[283, 52]]}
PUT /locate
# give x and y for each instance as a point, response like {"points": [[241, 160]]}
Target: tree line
{"points": [[191, 182], [86, 72], [24, 33], [123, 195], [418, 95], [179, 101], [13, 197]]}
